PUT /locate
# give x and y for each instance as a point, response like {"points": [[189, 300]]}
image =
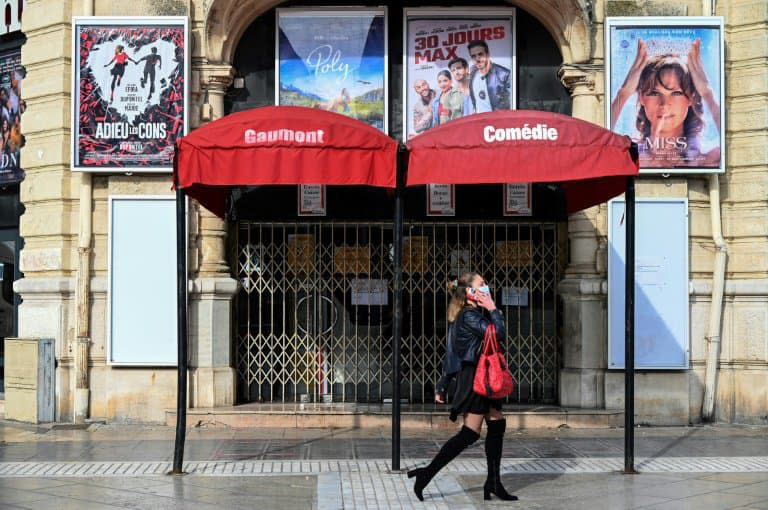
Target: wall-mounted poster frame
{"points": [[662, 329], [130, 92], [141, 290], [320, 63], [432, 38], [685, 133]]}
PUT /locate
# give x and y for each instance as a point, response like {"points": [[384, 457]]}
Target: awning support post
{"points": [[629, 330], [397, 304], [181, 324]]}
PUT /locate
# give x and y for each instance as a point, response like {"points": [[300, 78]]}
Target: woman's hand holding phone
{"points": [[484, 300]]}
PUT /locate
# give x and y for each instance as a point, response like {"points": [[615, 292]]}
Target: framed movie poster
{"points": [[456, 63], [129, 86], [334, 60], [12, 106], [666, 84]]}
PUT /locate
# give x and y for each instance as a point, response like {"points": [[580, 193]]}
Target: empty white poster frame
{"points": [[662, 314], [141, 296]]}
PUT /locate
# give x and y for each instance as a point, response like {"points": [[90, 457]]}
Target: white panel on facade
{"points": [[142, 281], [661, 283]]}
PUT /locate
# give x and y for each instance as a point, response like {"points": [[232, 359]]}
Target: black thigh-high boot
{"points": [[450, 450], [494, 441]]}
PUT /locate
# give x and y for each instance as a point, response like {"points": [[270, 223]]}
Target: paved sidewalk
{"points": [[111, 466]]}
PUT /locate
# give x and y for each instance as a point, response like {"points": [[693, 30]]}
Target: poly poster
{"points": [[333, 60]]}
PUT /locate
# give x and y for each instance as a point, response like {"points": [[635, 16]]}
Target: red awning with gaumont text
{"points": [[281, 145], [515, 146]]}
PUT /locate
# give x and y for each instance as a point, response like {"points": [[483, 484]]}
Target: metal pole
{"points": [[181, 322], [629, 333], [397, 303]]}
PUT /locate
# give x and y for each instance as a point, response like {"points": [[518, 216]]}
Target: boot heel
{"points": [[486, 494], [414, 472]]}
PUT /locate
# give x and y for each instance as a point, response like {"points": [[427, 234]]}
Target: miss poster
{"points": [[665, 79]]}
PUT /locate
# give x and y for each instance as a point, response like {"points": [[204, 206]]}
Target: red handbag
{"points": [[492, 377]]}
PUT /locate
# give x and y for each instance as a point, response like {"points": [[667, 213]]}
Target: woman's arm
{"points": [[700, 81], [629, 87]]}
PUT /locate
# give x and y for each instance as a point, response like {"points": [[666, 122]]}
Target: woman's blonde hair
{"points": [[457, 289]]}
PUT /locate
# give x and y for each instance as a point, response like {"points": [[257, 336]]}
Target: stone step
{"points": [[380, 416]]}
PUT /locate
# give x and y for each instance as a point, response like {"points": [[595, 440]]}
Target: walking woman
{"points": [[469, 297]]}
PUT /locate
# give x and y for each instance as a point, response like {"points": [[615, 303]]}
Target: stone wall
{"points": [[50, 229]]}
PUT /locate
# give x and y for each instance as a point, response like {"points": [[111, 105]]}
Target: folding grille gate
{"points": [[314, 307]]}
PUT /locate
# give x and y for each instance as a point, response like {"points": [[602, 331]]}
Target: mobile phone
{"points": [[473, 294]]}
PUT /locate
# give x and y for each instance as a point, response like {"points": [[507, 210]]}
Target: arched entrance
{"points": [[326, 345]]}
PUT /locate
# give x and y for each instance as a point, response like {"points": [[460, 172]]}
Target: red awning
{"points": [[281, 145], [525, 146]]}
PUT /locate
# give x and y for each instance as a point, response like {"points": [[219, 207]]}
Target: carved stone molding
{"points": [[574, 77], [216, 77]]}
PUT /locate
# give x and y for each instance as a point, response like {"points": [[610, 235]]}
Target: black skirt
{"points": [[465, 400], [118, 69]]}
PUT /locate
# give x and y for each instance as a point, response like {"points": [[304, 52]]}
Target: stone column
{"points": [[210, 300], [582, 378], [49, 194]]}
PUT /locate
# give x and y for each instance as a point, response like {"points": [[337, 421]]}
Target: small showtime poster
{"points": [[130, 92], [517, 199], [441, 200]]}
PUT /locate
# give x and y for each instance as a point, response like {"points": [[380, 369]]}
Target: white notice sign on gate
{"points": [[311, 200], [369, 292], [517, 199], [441, 200]]}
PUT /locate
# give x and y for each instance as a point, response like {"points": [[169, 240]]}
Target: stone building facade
{"points": [[65, 231]]}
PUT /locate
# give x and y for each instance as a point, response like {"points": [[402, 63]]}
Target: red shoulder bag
{"points": [[492, 378]]}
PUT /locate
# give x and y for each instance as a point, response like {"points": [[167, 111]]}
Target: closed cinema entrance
{"points": [[314, 307], [313, 311]]}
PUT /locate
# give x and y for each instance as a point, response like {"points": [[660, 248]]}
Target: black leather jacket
{"points": [[470, 326]]}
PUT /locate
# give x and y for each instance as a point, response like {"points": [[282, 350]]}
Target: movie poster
{"points": [[334, 60], [12, 106], [665, 77], [130, 91], [457, 64]]}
